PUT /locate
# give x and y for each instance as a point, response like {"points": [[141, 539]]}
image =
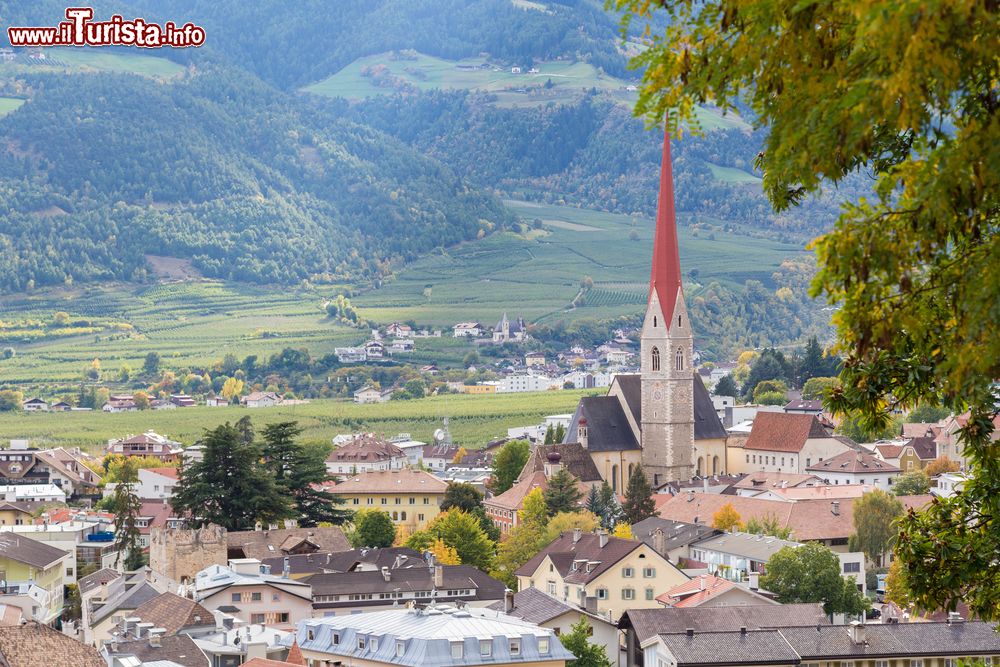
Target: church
{"points": [[663, 417]]}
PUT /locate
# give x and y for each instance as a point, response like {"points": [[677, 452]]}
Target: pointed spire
{"points": [[665, 277]]}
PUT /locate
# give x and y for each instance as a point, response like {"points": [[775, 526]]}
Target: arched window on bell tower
{"points": [[679, 360], [655, 355]]}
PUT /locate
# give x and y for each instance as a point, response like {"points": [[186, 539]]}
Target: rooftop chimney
{"points": [[602, 536], [286, 568], [438, 576], [858, 633], [508, 601], [576, 535], [142, 629], [385, 573], [754, 581], [701, 582], [743, 630], [590, 604], [689, 632], [660, 542]]}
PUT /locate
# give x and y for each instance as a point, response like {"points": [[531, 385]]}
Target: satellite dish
{"points": [[439, 435]]}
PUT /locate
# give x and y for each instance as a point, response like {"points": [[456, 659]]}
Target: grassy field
{"points": [[538, 275], [186, 323], [8, 104], [473, 420], [526, 89], [732, 175], [535, 275], [70, 59]]}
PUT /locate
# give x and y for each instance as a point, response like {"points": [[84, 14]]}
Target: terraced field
{"points": [[474, 420]]}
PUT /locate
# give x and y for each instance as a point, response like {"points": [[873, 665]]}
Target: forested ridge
{"points": [[98, 170]]}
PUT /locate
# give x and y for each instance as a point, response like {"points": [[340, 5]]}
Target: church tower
{"points": [[667, 348]]}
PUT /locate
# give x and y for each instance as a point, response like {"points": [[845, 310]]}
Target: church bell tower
{"points": [[667, 348]]}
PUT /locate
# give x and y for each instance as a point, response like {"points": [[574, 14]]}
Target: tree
{"points": [[521, 545], [443, 554], [611, 510], [593, 502], [462, 531], [563, 493], [151, 365], [10, 400], [814, 364], [770, 392], [127, 507], [587, 653], [231, 388], [941, 465], [875, 516], [459, 455], [726, 386], [811, 573], [913, 483], [927, 414], [372, 528], [141, 400], [913, 267], [534, 510], [507, 465], [230, 486], [567, 521], [299, 472], [767, 525], [639, 503], [462, 496], [855, 429], [623, 530], [897, 588], [727, 518], [815, 388]]}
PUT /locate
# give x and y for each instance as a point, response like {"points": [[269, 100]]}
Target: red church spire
{"points": [[665, 277]]}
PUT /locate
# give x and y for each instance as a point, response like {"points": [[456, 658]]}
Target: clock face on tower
{"points": [[657, 392]]}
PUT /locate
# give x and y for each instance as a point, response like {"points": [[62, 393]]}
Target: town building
{"points": [[854, 467], [149, 443], [350, 355], [246, 589], [707, 590], [260, 399], [411, 497], [169, 613], [156, 483], [544, 610], [467, 330], [948, 484], [369, 394], [671, 539], [534, 359], [856, 645], [786, 442], [300, 566], [14, 513], [908, 454], [803, 406], [107, 600], [640, 626], [759, 481], [35, 405], [604, 575], [154, 649], [32, 493], [35, 644], [343, 593], [34, 576], [431, 637], [365, 453], [274, 542], [506, 331]]}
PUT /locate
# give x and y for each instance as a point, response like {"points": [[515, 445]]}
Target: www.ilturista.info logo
{"points": [[80, 30]]}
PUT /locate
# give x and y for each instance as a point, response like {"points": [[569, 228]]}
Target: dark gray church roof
{"points": [[707, 425], [607, 426]]}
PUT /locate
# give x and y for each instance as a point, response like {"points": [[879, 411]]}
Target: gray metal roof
{"points": [[756, 547], [426, 637]]}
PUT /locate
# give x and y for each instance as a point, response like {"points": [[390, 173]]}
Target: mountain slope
{"points": [[97, 170]]}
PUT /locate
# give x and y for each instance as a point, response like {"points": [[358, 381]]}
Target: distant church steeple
{"points": [[667, 348]]}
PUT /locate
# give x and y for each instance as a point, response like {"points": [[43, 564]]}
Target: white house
{"points": [[948, 484], [470, 329], [32, 493], [375, 349], [525, 382], [156, 483], [260, 399], [852, 467], [35, 405], [350, 355], [369, 394]]}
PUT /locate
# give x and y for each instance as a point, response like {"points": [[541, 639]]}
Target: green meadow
{"points": [[73, 59], [473, 420], [8, 104]]}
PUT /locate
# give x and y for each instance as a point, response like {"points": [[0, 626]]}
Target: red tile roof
{"points": [[696, 591], [166, 472], [782, 432]]}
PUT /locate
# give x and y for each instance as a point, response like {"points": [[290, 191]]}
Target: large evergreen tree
{"points": [[230, 486], [611, 509], [563, 493], [639, 503], [507, 465], [299, 471], [127, 506]]}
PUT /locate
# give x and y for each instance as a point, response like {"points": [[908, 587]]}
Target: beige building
{"points": [[785, 443], [411, 497], [248, 591], [604, 575]]}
